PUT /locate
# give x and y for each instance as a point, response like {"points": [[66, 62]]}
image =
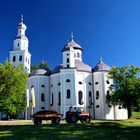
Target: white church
{"points": [[72, 83]]}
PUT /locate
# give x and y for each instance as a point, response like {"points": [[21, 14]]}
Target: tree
{"points": [[125, 91], [13, 82], [41, 65]]}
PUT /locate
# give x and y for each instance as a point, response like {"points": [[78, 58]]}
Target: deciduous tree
{"points": [[13, 82], [125, 91]]}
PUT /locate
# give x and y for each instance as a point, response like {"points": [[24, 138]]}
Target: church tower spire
{"points": [[20, 53]]}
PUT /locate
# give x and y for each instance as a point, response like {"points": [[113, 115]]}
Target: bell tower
{"points": [[20, 54]]}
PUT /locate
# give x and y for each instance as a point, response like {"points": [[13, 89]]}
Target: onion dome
{"points": [[21, 25], [72, 44], [41, 71], [101, 66]]}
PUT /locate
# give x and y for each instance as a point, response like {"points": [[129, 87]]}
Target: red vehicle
{"points": [[75, 113]]}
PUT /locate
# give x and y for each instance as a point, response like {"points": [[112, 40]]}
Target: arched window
{"points": [[68, 80], [42, 97], [14, 58], [59, 84], [78, 54], [68, 66], [107, 92], [68, 94], [107, 81], [42, 108], [20, 58], [52, 100], [18, 44], [59, 98], [68, 60], [90, 97], [97, 106], [97, 95], [43, 86], [80, 83], [80, 97], [96, 83], [89, 83]]}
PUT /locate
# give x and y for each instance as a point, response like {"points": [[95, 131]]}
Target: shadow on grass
{"points": [[92, 131]]}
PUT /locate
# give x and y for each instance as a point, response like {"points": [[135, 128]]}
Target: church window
{"points": [[67, 60], [14, 58], [52, 100], [96, 83], [18, 44], [80, 97], [90, 97], [78, 54], [59, 84], [42, 108], [108, 92], [59, 98], [67, 54], [68, 66], [68, 80], [107, 81], [119, 107], [89, 83], [97, 95], [68, 94], [43, 86], [97, 106], [42, 97], [20, 58], [80, 83]]}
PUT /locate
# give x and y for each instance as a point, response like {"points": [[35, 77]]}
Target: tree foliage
{"points": [[41, 65], [125, 91], [13, 82]]}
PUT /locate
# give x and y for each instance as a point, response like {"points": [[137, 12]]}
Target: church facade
{"points": [[72, 83]]}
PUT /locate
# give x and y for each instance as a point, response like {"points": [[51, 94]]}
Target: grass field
{"points": [[96, 130]]}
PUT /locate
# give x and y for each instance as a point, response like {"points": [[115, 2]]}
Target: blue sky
{"points": [[104, 28]]}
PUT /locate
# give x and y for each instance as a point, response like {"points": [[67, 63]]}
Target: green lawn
{"points": [[96, 130]]}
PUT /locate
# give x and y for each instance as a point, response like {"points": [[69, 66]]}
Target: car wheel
{"points": [[74, 118], [37, 122]]}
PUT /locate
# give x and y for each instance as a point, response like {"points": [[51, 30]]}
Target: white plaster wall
{"points": [[24, 54], [70, 55], [66, 103], [109, 110], [76, 51], [120, 114], [37, 82], [23, 44], [55, 89], [99, 112]]}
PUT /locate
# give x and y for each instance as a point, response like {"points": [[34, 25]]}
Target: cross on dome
{"points": [[21, 19], [72, 36], [101, 60]]}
